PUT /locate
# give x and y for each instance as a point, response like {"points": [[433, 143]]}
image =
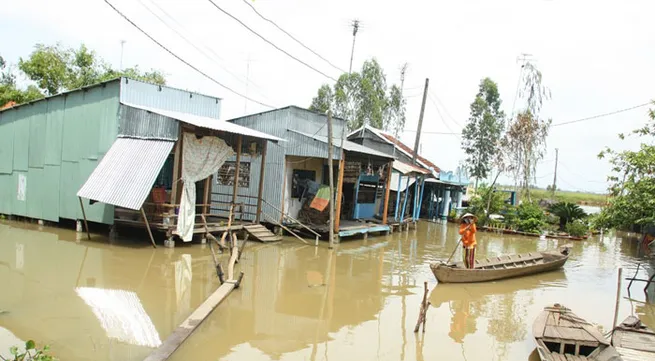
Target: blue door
{"points": [[366, 196]]}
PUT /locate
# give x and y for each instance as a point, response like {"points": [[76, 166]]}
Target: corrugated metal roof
{"points": [[347, 145], [124, 177], [405, 168], [209, 123]]}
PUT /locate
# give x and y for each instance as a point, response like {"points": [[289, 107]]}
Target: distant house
{"points": [[433, 196], [295, 166]]}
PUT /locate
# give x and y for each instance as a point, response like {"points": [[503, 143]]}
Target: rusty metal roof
{"points": [[347, 145], [209, 123], [125, 175]]}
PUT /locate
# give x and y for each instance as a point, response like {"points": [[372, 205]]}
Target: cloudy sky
{"points": [[596, 57]]}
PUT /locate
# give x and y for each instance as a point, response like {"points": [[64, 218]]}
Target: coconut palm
{"points": [[566, 212]]}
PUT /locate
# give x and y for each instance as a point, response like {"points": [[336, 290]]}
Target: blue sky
{"points": [[596, 57]]}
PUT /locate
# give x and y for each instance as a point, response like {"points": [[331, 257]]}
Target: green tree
{"points": [[8, 90], [566, 212], [323, 101], [55, 68], [47, 66], [632, 183], [487, 201], [482, 134], [525, 139], [363, 98], [394, 121], [530, 218]]}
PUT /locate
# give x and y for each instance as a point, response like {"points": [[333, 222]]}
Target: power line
{"points": [[268, 41], [291, 36], [187, 40], [182, 60], [208, 48], [446, 110], [439, 113], [602, 115]]}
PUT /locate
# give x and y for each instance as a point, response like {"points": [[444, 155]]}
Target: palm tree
{"points": [[566, 212]]}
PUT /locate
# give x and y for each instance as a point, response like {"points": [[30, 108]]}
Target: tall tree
{"points": [[525, 140], [394, 121], [482, 134], [632, 182], [55, 68], [9, 92], [363, 98], [323, 100]]}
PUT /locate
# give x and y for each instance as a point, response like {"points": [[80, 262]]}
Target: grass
{"points": [[592, 199]]}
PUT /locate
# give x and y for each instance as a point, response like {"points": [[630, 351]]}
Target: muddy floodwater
{"points": [[101, 300]]}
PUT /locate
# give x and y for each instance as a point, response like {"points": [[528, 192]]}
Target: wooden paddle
{"points": [[458, 242]]}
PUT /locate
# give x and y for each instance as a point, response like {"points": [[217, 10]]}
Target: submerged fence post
{"points": [[618, 298]]}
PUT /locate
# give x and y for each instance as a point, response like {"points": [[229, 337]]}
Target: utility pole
{"points": [[420, 121], [331, 176], [355, 25], [555, 175], [122, 46]]}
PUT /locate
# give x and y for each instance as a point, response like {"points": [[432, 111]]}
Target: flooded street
{"points": [[102, 301]]}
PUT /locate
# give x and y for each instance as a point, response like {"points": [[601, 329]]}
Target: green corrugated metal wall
{"points": [[56, 144]]}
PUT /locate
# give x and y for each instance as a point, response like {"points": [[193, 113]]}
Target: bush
{"points": [[31, 353], [531, 218], [576, 228]]}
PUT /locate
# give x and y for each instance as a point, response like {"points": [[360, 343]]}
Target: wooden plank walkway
{"points": [[261, 233]]}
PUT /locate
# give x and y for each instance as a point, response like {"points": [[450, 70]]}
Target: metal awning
{"points": [[347, 145], [405, 168], [209, 123], [125, 175]]}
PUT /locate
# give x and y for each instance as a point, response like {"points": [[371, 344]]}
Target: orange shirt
{"points": [[468, 235]]}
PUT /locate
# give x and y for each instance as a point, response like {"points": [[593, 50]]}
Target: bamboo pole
{"points": [[235, 189], [176, 169], [260, 192], [618, 298], [331, 180], [86, 225], [387, 192], [145, 219], [337, 215]]}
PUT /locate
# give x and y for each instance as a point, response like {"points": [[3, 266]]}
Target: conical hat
{"points": [[467, 215]]}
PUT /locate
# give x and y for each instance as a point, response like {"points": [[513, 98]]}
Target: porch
{"points": [[144, 176]]}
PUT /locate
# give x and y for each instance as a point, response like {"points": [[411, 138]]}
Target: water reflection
{"points": [[297, 302]]}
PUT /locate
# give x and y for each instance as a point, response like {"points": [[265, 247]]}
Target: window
{"points": [[165, 177], [367, 192], [226, 174], [298, 182]]}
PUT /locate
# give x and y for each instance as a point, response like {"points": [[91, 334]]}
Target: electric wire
{"points": [[182, 60], [268, 41], [291, 36]]}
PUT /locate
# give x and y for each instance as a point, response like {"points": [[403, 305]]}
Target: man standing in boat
{"points": [[467, 230]]}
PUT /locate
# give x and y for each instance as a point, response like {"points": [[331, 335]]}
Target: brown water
{"points": [[101, 301]]}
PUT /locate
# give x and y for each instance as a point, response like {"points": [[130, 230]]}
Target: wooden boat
{"points": [[496, 268], [634, 341], [563, 336]]}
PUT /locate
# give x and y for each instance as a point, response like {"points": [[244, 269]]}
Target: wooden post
{"points": [[342, 167], [420, 122], [284, 190], [260, 192], [177, 157], [145, 219], [206, 196], [387, 192], [86, 225], [331, 176], [618, 298], [236, 170]]}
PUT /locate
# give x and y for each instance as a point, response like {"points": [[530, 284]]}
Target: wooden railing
{"points": [[287, 216]]}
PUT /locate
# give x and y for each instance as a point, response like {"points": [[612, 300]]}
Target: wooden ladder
{"points": [[261, 233]]}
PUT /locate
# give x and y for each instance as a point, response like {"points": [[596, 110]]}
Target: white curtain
{"points": [[200, 159]]}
